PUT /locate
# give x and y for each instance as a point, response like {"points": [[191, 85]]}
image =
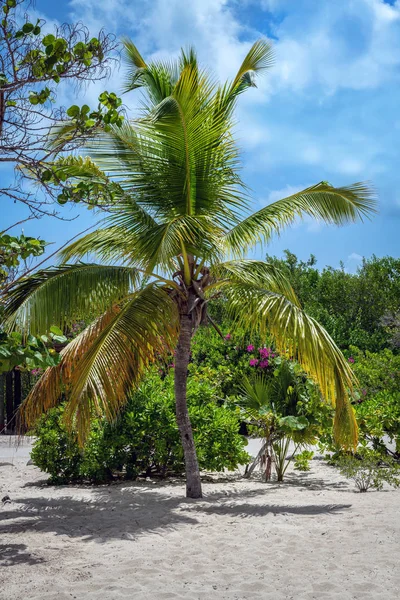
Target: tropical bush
{"points": [[282, 407], [369, 469], [302, 460], [144, 440], [378, 403], [228, 357]]}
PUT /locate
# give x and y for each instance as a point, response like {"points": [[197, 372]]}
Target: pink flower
{"points": [[253, 362], [171, 366], [351, 360], [263, 364], [264, 352], [228, 336], [36, 372], [250, 348]]}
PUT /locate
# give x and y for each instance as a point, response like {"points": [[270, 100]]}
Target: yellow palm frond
{"points": [[300, 336], [64, 294], [106, 361]]}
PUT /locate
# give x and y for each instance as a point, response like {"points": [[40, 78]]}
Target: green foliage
{"points": [[369, 469], [144, 440], [55, 451], [302, 460], [14, 249], [55, 55], [33, 354], [33, 63], [378, 404], [352, 307], [379, 416], [228, 359], [376, 371]]}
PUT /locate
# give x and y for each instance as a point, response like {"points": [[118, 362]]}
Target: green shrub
{"points": [[302, 460], [144, 440], [369, 469]]}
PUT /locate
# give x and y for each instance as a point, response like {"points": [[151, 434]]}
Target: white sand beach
{"points": [[311, 538]]}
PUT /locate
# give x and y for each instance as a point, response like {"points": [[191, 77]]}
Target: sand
{"points": [[312, 537]]}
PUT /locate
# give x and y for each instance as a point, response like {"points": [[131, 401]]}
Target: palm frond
{"points": [[257, 273], [105, 362], [64, 294], [299, 336], [322, 202], [106, 245], [255, 393], [49, 390], [156, 78], [259, 58]]}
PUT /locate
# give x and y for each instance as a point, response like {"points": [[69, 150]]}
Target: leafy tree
{"points": [[180, 210], [32, 64], [356, 309], [32, 353], [378, 405], [16, 252]]}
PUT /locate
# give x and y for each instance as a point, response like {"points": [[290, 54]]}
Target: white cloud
{"points": [[355, 257], [350, 166], [323, 50], [276, 195], [353, 261]]}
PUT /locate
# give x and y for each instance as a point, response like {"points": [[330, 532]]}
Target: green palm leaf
{"points": [[322, 202], [62, 295], [255, 273], [256, 394]]}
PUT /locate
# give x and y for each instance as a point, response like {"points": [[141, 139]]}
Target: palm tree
{"points": [[174, 238]]}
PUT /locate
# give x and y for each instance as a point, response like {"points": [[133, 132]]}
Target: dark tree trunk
{"points": [[182, 356], [17, 389], [9, 401], [2, 403]]}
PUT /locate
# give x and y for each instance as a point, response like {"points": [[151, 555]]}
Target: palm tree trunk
{"points": [[182, 355]]}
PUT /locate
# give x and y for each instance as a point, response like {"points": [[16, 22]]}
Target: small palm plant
{"points": [[269, 405], [175, 238]]}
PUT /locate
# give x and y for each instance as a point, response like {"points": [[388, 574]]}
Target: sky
{"points": [[327, 110]]}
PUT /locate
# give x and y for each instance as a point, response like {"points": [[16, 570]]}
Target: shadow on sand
{"points": [[126, 511], [14, 554]]}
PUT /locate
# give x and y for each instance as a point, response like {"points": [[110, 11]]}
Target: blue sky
{"points": [[328, 109]]}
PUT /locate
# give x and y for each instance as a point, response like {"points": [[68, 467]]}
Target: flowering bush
{"points": [[226, 361]]}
